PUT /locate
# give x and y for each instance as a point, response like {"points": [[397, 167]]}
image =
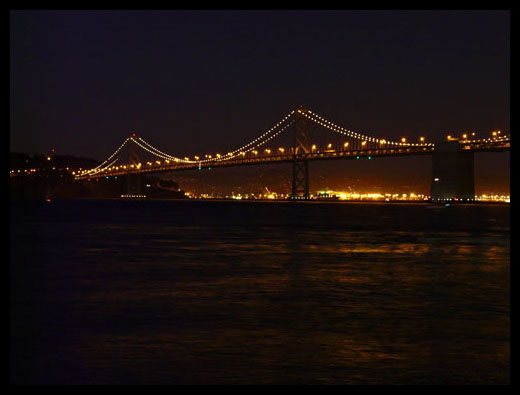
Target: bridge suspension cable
{"points": [[93, 171], [257, 142], [154, 151], [251, 145], [262, 139], [346, 132]]}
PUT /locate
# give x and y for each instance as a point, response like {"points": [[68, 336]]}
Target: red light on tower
{"points": [[53, 150], [133, 134]]}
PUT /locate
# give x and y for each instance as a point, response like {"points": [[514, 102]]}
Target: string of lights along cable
{"points": [[353, 145]]}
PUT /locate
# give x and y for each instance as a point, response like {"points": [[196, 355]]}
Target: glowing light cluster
{"points": [[133, 196], [493, 198], [373, 196]]}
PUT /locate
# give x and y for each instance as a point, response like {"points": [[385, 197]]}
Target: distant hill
{"points": [[53, 179], [38, 161]]}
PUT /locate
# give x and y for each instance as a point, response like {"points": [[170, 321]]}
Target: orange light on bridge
{"points": [[329, 145], [196, 157], [313, 147], [281, 150], [421, 139], [403, 140], [255, 152], [268, 150], [363, 143], [346, 144]]}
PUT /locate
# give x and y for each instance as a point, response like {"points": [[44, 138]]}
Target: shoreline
{"points": [[309, 201]]}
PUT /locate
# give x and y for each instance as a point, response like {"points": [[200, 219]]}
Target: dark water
{"points": [[171, 292]]}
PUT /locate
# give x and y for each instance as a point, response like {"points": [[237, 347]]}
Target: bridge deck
{"points": [[287, 158]]}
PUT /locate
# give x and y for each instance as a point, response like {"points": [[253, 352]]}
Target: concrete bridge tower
{"points": [[453, 172]]}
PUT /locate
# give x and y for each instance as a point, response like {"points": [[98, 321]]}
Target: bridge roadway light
{"points": [[313, 148], [421, 139], [403, 140]]}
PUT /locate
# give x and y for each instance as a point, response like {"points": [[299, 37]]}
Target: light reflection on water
{"points": [[213, 292]]}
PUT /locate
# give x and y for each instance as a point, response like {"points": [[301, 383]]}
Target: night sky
{"points": [[196, 82]]}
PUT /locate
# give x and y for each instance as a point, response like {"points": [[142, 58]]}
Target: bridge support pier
{"points": [[133, 184], [300, 181], [301, 146], [453, 174]]}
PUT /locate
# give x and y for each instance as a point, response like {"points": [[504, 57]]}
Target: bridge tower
{"points": [[453, 174], [133, 185], [300, 175]]}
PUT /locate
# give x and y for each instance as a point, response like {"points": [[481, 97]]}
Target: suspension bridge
{"points": [[452, 163]]}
